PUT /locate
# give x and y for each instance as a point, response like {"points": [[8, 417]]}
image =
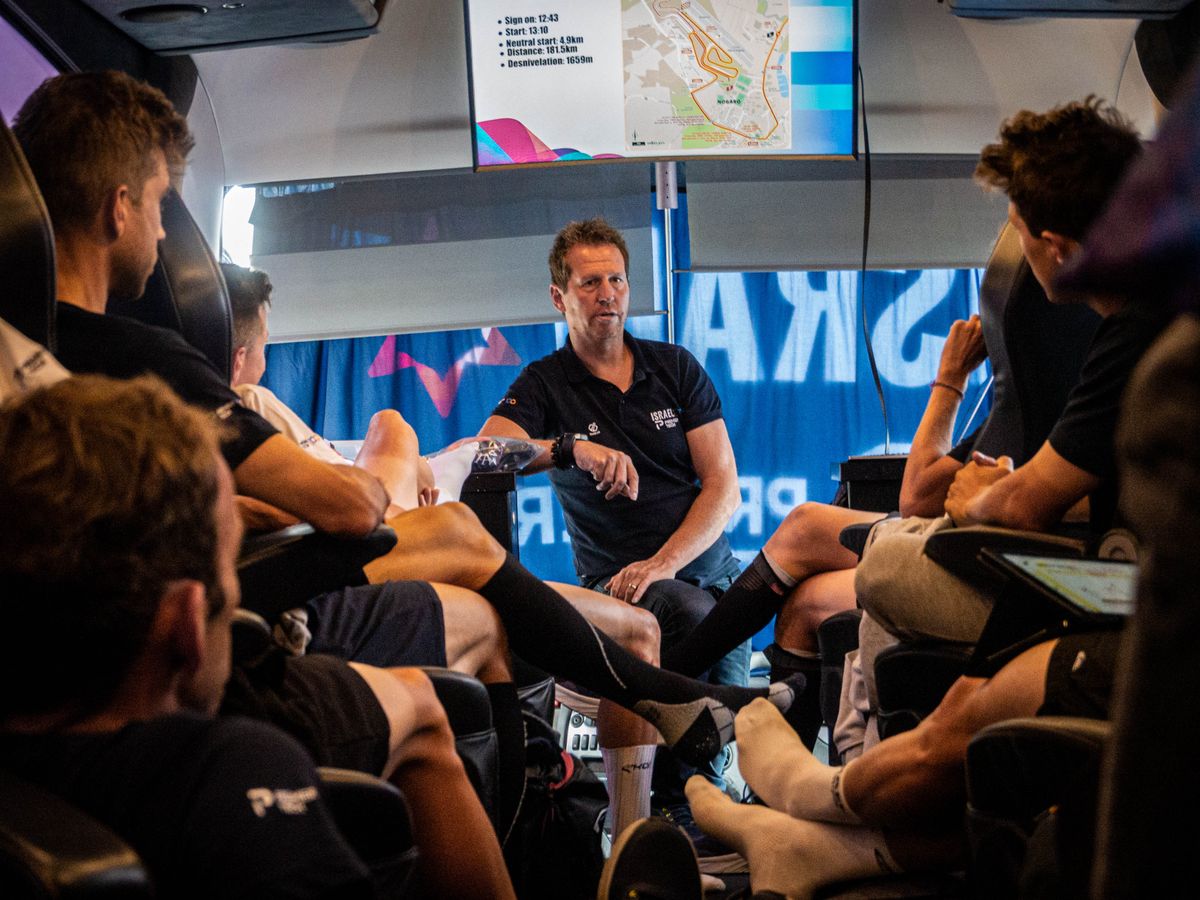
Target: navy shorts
{"points": [[397, 623], [1081, 673], [318, 700]]}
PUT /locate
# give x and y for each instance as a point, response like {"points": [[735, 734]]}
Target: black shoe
{"points": [[715, 857], [651, 860]]}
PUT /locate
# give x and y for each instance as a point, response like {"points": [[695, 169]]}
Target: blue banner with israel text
{"points": [[785, 350]]}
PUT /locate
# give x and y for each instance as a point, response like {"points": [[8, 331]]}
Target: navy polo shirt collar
{"points": [[576, 371]]}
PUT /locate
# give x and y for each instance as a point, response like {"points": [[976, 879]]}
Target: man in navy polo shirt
{"points": [[638, 452]]}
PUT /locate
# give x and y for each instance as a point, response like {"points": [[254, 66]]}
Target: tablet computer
{"points": [[1097, 590]]}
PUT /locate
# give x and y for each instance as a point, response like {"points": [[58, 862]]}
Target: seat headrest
{"points": [[1036, 349], [26, 247], [187, 292]]}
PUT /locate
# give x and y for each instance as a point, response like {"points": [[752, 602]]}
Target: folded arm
{"points": [[1034, 497]]}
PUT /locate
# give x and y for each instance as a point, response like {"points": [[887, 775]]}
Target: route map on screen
{"points": [[561, 81]]}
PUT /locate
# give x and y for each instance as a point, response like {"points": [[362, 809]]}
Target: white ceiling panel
{"points": [[397, 101]]}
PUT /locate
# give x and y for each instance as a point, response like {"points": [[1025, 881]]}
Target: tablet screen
{"points": [[1093, 585]]}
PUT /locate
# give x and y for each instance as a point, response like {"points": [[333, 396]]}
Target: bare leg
{"points": [[460, 856], [476, 643], [390, 453], [806, 542], [809, 604], [446, 543], [923, 769], [443, 544]]}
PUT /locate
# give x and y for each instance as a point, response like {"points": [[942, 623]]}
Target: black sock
{"points": [[742, 612], [696, 719], [805, 715], [510, 745]]}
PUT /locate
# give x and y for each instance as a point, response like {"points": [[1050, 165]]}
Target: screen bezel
{"points": [[999, 559], [473, 121]]}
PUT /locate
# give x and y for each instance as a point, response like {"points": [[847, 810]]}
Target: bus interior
{"points": [[337, 149]]}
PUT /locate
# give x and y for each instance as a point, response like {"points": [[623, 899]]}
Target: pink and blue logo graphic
{"points": [[443, 388]]}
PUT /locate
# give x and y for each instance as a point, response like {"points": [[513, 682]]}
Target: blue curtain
{"points": [[785, 351]]}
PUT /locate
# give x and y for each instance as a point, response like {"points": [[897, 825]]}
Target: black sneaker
{"points": [[651, 860], [715, 857]]}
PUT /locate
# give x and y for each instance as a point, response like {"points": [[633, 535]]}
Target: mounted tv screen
{"points": [[556, 81]]}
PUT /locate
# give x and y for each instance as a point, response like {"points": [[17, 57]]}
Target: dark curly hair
{"points": [[1060, 167]]}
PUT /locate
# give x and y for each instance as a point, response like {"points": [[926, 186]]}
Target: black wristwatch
{"points": [[562, 451]]}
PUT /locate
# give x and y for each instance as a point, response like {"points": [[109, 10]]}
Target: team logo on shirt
{"points": [[593, 429], [664, 418], [290, 803]]}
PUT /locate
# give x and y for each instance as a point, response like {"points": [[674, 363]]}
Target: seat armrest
{"points": [[257, 547], [367, 810], [251, 636], [836, 636], [854, 537], [50, 848], [283, 569], [469, 711], [373, 817], [464, 698], [911, 680], [1019, 767], [1032, 788]]}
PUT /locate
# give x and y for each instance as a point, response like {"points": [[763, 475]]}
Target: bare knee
{"points": [[797, 623], [476, 642], [799, 524], [430, 734], [391, 423], [818, 597], [458, 526], [426, 708], [641, 634], [806, 537]]}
